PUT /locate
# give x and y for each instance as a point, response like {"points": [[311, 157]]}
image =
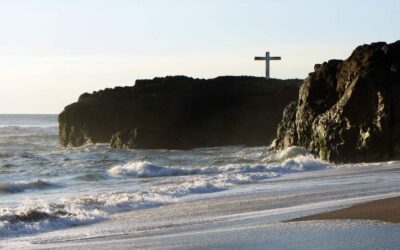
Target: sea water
{"points": [[45, 187]]}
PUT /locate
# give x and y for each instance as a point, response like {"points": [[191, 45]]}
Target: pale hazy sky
{"points": [[52, 51]]}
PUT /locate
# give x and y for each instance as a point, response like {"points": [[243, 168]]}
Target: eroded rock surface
{"points": [[348, 111]]}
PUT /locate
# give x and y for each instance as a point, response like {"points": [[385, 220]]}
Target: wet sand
{"points": [[387, 210]]}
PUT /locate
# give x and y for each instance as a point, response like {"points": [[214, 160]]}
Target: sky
{"points": [[51, 51]]}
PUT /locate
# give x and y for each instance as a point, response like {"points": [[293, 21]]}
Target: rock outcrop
{"points": [[145, 139], [348, 111], [179, 112]]}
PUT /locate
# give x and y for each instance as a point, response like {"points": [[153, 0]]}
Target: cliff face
{"points": [[349, 111], [179, 112]]}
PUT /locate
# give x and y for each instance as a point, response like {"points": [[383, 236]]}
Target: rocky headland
{"points": [[348, 111], [179, 113]]}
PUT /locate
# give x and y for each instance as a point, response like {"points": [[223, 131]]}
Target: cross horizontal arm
{"points": [[260, 58], [275, 58]]}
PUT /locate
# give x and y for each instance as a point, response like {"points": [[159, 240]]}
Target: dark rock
{"points": [[145, 139], [179, 112], [348, 111], [124, 139]]}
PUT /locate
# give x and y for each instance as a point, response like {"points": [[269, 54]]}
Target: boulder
{"points": [[348, 111], [181, 112]]}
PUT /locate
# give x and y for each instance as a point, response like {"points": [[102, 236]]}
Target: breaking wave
{"points": [[148, 169], [17, 187], [291, 160], [292, 152], [32, 161], [41, 216]]}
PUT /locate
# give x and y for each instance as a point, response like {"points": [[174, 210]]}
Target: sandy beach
{"points": [[387, 210]]}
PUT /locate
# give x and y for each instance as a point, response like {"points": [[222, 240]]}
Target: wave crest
{"points": [[41, 216], [292, 152], [148, 169], [18, 187], [293, 160]]}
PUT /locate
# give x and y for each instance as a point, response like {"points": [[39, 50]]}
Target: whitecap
{"points": [[194, 186], [148, 169], [40, 216], [291, 152]]}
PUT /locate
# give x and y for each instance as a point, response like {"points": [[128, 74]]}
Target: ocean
{"points": [[52, 196], [45, 187]]}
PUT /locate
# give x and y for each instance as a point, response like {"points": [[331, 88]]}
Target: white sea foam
{"points": [[207, 179], [41, 216], [194, 172], [292, 160], [148, 169], [304, 163], [198, 185], [292, 152], [70, 211]]}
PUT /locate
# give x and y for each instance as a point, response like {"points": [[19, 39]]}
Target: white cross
{"points": [[267, 59]]}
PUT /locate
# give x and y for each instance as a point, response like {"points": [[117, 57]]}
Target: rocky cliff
{"points": [[348, 111], [179, 112]]}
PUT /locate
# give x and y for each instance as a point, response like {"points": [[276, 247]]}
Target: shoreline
{"points": [[253, 217], [386, 210]]}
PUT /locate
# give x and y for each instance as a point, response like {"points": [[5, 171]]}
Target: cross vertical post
{"points": [[267, 60]]}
